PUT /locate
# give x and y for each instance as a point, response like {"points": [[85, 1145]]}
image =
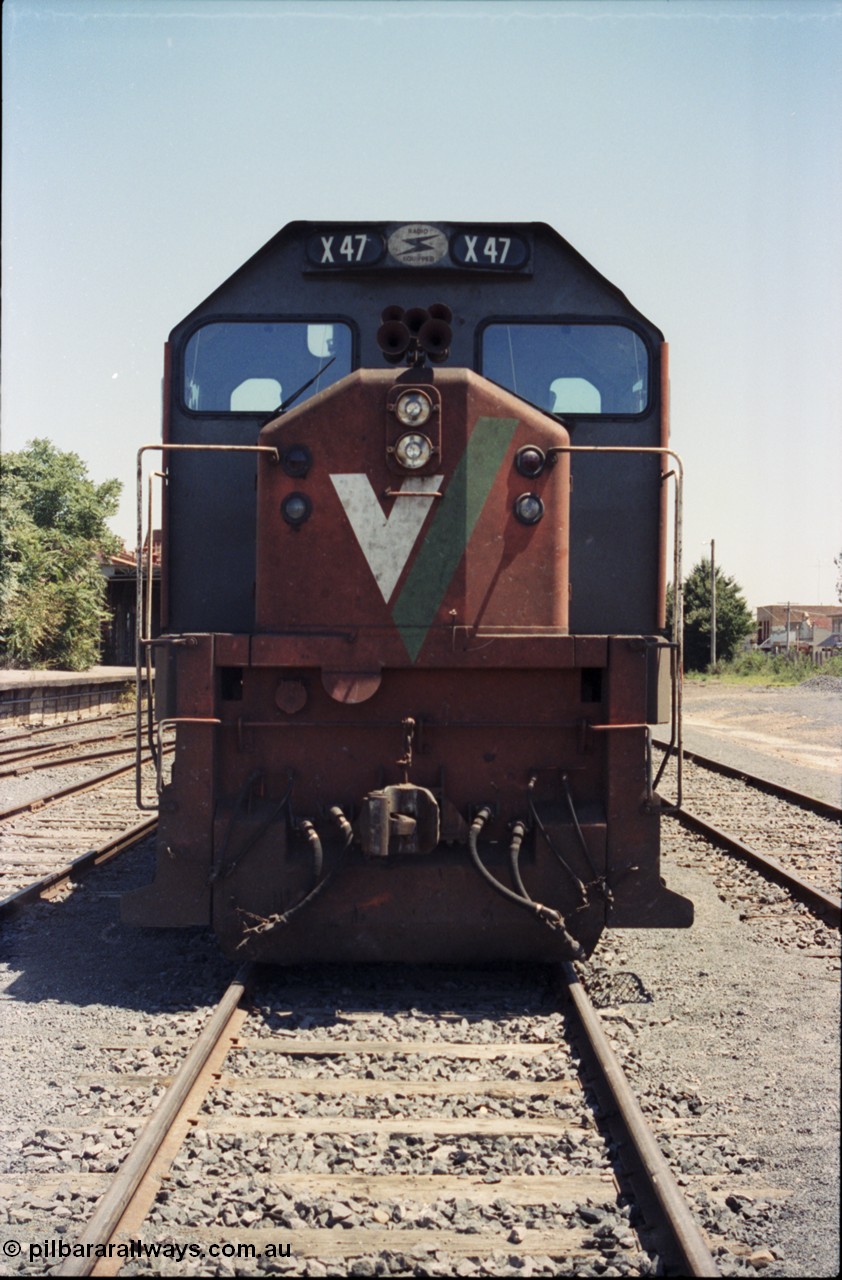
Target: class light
{"points": [[413, 451], [413, 408], [530, 460], [296, 508], [296, 460], [528, 508]]}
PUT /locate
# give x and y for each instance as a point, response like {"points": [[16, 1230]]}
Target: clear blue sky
{"points": [[690, 149]]}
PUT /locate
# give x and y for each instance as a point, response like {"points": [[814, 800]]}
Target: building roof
{"points": [[124, 563], [818, 614]]}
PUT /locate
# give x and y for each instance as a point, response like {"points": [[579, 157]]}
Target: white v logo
{"points": [[386, 541]]}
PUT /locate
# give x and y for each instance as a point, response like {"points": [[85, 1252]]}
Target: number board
{"points": [[345, 249], [495, 252], [418, 244]]}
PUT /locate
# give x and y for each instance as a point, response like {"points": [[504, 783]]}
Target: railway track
{"points": [[50, 840], [828, 906], [801, 854], [18, 739], [301, 1136], [52, 883], [50, 756], [811, 803], [378, 1141]]}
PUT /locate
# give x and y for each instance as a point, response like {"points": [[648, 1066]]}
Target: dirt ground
{"points": [[790, 735]]}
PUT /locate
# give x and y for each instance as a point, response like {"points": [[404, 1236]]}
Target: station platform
{"points": [[46, 697]]}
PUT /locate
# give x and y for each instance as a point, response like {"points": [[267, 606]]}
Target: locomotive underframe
{"points": [[565, 734]]}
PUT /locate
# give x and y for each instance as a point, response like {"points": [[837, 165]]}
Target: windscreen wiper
{"points": [[282, 408]]}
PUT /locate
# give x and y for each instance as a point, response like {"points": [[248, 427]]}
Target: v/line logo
{"points": [[386, 541]]}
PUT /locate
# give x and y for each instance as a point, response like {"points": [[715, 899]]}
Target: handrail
{"points": [[143, 643], [676, 732]]}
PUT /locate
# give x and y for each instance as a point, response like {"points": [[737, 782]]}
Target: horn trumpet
{"points": [[393, 339]]}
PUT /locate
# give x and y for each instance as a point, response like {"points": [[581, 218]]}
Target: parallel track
{"points": [[824, 904], [812, 803], [52, 839], [73, 789], [31, 740], [47, 886], [27, 759], [827, 905]]}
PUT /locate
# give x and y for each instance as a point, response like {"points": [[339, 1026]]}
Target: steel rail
{"points": [[29, 750], [6, 738], [814, 803], [77, 868], [116, 1199], [828, 906], [26, 764], [76, 788], [685, 1238]]}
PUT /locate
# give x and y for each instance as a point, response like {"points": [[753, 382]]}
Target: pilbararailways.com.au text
{"points": [[53, 1250]]}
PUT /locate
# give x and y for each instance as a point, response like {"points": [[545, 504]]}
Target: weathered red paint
{"points": [[334, 696]]}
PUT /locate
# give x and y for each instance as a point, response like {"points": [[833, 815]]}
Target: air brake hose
{"points": [[518, 832], [545, 833], [307, 829], [272, 922], [598, 880], [545, 914]]}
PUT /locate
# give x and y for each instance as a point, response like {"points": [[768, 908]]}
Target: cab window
{"points": [[569, 368], [244, 366]]}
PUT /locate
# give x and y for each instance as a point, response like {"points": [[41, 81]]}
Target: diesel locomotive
{"points": [[416, 513]]}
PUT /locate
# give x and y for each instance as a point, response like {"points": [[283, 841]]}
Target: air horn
{"points": [[416, 333]]}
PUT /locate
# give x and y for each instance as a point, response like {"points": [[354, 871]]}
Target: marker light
{"points": [[296, 460], [296, 508], [530, 460], [413, 409], [528, 508], [413, 451]]}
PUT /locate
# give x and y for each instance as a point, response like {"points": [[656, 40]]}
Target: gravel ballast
{"points": [[729, 1030]]}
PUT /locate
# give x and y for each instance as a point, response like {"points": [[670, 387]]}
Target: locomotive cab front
{"points": [[416, 748]]}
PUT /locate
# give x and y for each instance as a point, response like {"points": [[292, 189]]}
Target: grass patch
{"points": [[755, 668]]}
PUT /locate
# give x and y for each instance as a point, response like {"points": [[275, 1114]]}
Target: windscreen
{"points": [[569, 368], [245, 366]]}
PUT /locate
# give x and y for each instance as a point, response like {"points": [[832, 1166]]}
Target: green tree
{"points": [[52, 592], [733, 618]]}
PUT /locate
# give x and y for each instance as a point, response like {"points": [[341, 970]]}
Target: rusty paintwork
{"points": [[405, 693], [411, 672]]}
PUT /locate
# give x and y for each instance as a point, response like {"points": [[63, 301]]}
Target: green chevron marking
{"points": [[450, 530]]}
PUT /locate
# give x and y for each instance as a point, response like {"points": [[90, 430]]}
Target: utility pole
{"points": [[788, 611], [712, 604]]}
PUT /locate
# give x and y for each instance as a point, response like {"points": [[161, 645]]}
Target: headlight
{"points": [[528, 508], [413, 451], [296, 508], [413, 409]]}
